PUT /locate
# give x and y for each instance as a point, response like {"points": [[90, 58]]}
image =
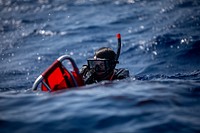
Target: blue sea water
{"points": [[161, 49]]}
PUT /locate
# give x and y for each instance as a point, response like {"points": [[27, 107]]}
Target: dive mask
{"points": [[100, 65]]}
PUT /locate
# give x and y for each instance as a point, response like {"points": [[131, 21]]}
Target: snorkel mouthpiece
{"points": [[97, 68], [119, 46]]}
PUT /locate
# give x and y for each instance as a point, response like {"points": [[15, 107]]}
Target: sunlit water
{"points": [[161, 44]]}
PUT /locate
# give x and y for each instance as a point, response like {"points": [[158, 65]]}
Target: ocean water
{"points": [[160, 47]]}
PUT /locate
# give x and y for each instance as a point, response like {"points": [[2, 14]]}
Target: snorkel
{"points": [[119, 47]]}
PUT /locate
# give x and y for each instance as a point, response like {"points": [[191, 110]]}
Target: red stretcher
{"points": [[57, 77]]}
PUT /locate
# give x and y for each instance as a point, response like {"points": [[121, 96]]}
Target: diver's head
{"points": [[105, 53], [104, 62]]}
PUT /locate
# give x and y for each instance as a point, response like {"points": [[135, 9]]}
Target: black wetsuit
{"points": [[89, 76]]}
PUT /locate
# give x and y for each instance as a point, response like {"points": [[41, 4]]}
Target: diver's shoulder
{"points": [[121, 73], [122, 70]]}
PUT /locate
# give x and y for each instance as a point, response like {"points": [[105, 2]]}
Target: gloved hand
{"points": [[84, 70], [89, 77]]}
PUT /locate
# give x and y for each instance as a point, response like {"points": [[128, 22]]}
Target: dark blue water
{"points": [[161, 48]]}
